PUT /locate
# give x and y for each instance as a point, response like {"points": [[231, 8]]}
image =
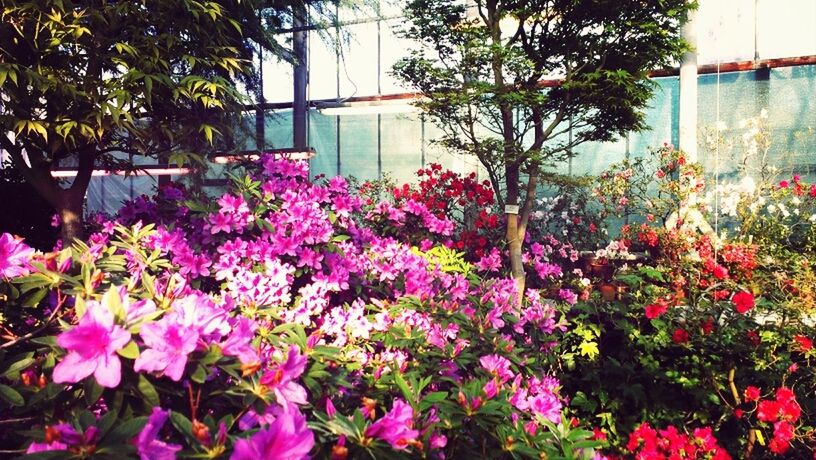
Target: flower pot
{"points": [[608, 291]]}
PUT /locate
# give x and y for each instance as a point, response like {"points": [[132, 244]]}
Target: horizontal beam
{"points": [[723, 67]]}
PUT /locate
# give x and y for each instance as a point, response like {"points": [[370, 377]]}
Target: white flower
{"points": [[796, 201], [763, 113], [771, 209], [748, 185]]}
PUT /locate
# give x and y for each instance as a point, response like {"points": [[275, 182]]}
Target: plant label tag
{"points": [[511, 209]]}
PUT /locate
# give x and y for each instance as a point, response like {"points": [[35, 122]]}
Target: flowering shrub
{"points": [[703, 314], [272, 322], [646, 443], [443, 207]]}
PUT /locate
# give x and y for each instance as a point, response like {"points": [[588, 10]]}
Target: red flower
{"points": [[783, 431], [753, 338], [656, 309], [804, 343], [751, 393], [768, 411], [598, 434], [743, 301], [680, 336], [720, 272], [708, 326], [783, 184]]}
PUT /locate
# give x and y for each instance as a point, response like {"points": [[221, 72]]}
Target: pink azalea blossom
{"points": [[287, 438], [280, 378], [498, 366], [92, 346], [239, 342], [395, 427], [14, 255], [170, 343]]}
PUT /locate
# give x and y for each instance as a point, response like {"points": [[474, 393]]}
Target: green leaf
{"points": [[11, 396], [148, 391], [124, 432], [131, 351], [200, 374], [404, 388], [113, 301], [93, 391], [23, 361], [183, 425]]}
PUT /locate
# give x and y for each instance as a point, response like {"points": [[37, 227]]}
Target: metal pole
{"points": [[300, 76], [688, 92], [260, 115]]}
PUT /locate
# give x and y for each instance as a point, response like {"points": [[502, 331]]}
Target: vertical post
{"points": [[337, 78], [688, 91], [260, 114], [300, 75], [379, 92]]}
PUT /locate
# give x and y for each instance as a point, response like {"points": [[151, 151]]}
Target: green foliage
{"points": [[481, 67]]}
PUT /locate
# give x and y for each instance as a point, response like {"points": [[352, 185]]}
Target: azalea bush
{"points": [[274, 322], [700, 325]]}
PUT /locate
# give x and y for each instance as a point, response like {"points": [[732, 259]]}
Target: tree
{"points": [[482, 67], [83, 80]]}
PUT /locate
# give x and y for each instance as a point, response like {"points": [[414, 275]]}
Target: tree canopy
{"points": [[82, 80], [519, 83]]}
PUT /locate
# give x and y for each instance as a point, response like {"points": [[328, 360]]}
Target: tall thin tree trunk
{"points": [[70, 213]]}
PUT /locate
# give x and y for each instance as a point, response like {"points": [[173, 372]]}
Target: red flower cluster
{"points": [[656, 309], [460, 198], [743, 302], [782, 412], [646, 443], [741, 258], [803, 343], [680, 336], [648, 236]]}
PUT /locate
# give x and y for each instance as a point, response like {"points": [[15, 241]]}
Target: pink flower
{"points": [[395, 427], [287, 438], [92, 346], [498, 366], [13, 256], [281, 378], [147, 443], [239, 342], [170, 343]]}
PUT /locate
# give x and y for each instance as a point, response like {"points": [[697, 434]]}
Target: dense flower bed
{"points": [[291, 319], [274, 322]]}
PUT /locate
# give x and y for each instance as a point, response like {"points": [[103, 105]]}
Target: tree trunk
{"points": [[70, 213], [515, 240]]}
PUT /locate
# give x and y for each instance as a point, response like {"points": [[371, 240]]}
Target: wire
{"points": [[717, 147]]}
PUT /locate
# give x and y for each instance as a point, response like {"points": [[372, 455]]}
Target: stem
{"points": [[60, 303], [733, 387]]}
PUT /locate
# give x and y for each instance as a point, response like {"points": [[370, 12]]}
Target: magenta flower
{"points": [[239, 342], [287, 438], [170, 343], [498, 366], [148, 444], [395, 427], [280, 379], [13, 256], [92, 346]]}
